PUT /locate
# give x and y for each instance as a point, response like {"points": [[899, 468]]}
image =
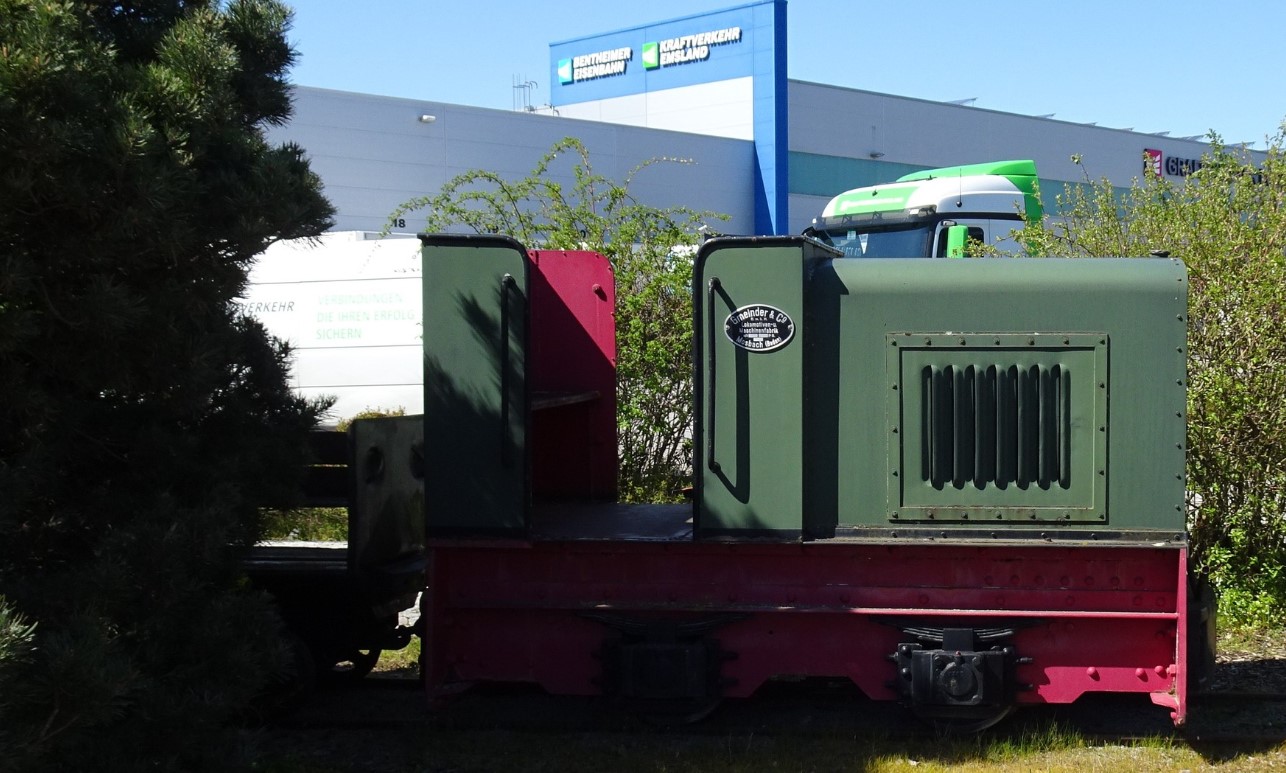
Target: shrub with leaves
{"points": [[1227, 222], [651, 251]]}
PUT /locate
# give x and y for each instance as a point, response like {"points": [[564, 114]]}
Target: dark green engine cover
{"points": [[1037, 397], [475, 384]]}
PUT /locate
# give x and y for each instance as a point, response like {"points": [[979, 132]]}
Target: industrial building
{"points": [[709, 89]]}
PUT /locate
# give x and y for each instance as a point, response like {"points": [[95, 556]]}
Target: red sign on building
{"points": [[1152, 162]]}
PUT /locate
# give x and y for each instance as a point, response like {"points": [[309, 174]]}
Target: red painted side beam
{"points": [[1091, 619]]}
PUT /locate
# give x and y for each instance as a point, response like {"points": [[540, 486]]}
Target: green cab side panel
{"points": [[751, 340], [475, 342], [1039, 394]]}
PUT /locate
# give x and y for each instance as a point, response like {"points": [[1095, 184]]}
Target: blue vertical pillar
{"points": [[772, 193]]}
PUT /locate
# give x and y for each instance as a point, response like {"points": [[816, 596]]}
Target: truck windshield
{"points": [[905, 240]]}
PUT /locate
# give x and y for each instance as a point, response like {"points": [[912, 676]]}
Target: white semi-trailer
{"points": [[349, 305]]}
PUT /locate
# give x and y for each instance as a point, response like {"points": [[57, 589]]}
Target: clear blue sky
{"points": [[1182, 66]]}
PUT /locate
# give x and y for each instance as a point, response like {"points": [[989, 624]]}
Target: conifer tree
{"points": [[143, 421]]}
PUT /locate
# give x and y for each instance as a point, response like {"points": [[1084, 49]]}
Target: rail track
{"points": [[386, 725], [812, 707]]}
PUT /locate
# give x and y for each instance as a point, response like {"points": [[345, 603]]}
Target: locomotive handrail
{"points": [[711, 290], [507, 285]]}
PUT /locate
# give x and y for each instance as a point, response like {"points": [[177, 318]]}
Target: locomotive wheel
{"points": [[963, 721], [674, 713], [354, 666]]}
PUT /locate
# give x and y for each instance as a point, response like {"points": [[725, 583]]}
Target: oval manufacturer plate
{"points": [[759, 328]]}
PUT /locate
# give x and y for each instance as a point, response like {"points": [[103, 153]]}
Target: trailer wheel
{"points": [[353, 666]]}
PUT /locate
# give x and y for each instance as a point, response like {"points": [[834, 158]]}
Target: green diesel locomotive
{"points": [[959, 484]]}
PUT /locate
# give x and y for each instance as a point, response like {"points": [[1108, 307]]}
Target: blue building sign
{"points": [[747, 41]]}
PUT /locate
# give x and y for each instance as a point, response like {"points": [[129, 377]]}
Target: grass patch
{"points": [[1041, 739], [403, 662], [309, 524], [661, 753], [1239, 640], [497, 740]]}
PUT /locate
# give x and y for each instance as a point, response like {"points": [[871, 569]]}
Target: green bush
{"points": [[1227, 222], [651, 250]]}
